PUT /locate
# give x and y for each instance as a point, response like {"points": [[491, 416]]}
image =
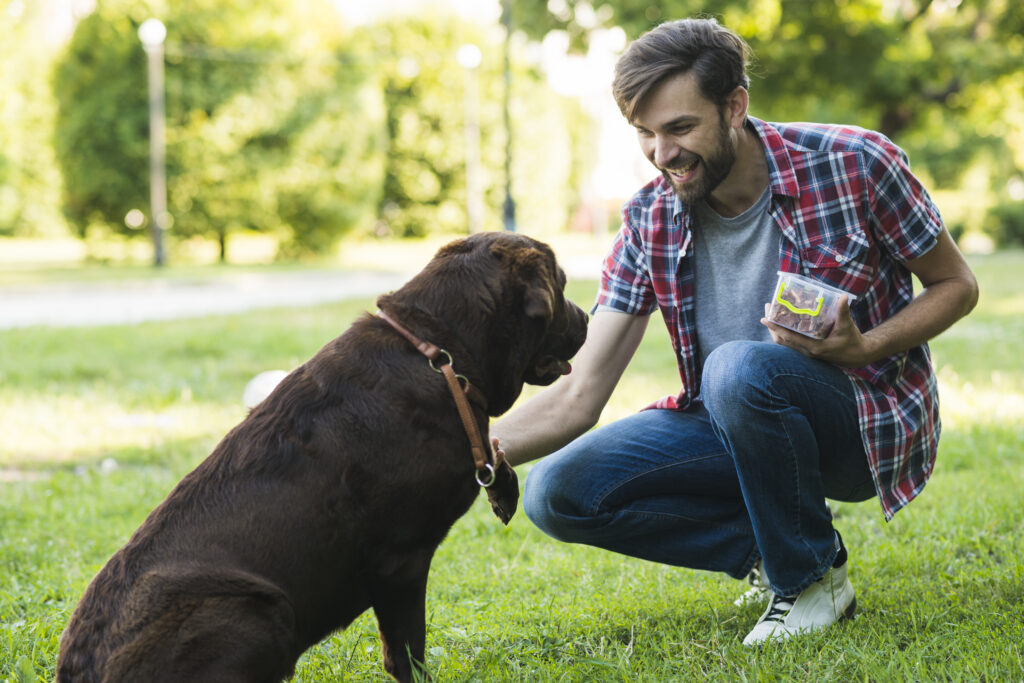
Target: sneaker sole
{"points": [[848, 612]]}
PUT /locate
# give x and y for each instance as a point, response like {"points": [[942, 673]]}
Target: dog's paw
{"points": [[503, 494]]}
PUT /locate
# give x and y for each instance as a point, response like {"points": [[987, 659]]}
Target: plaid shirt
{"points": [[850, 213]]}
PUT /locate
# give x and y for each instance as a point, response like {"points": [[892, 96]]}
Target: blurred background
{"points": [[272, 130]]}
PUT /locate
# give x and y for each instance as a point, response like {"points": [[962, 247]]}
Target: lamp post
{"points": [[469, 59], [509, 213], [152, 33]]}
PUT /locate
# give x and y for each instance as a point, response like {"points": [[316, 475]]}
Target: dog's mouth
{"points": [[554, 366], [552, 360], [548, 369]]}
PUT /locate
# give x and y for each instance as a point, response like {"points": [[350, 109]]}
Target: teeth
{"points": [[685, 169]]}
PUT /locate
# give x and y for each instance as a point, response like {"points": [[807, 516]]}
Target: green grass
{"points": [[99, 423]]}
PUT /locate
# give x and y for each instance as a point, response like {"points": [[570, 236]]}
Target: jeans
{"points": [[743, 475]]}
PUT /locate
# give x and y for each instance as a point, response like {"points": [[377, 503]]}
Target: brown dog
{"points": [[333, 494]]}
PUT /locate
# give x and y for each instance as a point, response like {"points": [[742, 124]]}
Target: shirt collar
{"points": [[782, 177]]}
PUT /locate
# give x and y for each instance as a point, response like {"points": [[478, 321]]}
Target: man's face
{"points": [[686, 137]]}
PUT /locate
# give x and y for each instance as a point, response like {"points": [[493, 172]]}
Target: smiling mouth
{"points": [[683, 173]]}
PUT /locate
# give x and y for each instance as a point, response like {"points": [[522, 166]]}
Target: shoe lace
{"points": [[780, 607]]}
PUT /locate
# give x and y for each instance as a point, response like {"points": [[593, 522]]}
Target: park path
{"points": [[131, 301], [114, 303]]}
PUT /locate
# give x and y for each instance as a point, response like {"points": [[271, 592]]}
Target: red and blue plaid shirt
{"points": [[850, 213]]}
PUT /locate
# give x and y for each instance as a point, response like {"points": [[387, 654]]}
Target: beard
{"points": [[714, 169]]}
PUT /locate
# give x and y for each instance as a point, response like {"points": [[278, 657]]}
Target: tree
{"points": [[424, 90], [270, 125], [28, 171], [941, 77]]}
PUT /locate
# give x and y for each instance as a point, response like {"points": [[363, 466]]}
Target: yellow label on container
{"points": [[813, 312]]}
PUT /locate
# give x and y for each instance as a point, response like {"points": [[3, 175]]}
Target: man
{"points": [[732, 474]]}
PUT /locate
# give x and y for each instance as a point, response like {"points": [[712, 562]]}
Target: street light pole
{"points": [[509, 213], [152, 34]]}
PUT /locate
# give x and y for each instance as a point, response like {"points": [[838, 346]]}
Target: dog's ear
{"points": [[539, 302], [530, 267]]}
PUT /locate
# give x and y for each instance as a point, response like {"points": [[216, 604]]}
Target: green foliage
{"points": [[281, 122], [29, 181], [270, 125], [305, 135], [425, 91], [423, 86], [1005, 223], [942, 78], [102, 122]]}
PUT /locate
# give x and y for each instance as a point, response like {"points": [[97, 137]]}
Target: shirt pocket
{"points": [[844, 261]]}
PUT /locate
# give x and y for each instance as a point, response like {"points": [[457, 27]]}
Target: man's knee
{"points": [[546, 500], [733, 369]]}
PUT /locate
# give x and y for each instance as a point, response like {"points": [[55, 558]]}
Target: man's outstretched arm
{"points": [[573, 404]]}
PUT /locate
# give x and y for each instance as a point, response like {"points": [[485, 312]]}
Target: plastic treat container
{"points": [[805, 305]]}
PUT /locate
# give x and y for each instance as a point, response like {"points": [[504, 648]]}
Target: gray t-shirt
{"points": [[736, 263]]}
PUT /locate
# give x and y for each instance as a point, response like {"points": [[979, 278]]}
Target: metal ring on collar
{"points": [[490, 481], [446, 355]]}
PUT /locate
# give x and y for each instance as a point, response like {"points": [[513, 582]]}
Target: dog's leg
{"points": [[206, 627], [222, 639], [401, 619]]}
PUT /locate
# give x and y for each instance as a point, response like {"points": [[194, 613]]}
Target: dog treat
{"points": [[805, 305]]}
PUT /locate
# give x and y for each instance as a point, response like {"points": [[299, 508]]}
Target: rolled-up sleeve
{"points": [[908, 223], [625, 277]]}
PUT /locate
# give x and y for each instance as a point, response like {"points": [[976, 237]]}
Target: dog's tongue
{"points": [[564, 367]]}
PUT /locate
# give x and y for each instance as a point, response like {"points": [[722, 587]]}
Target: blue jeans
{"points": [[740, 476]]}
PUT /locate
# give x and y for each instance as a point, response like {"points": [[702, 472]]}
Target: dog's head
{"points": [[503, 294], [535, 330], [534, 283]]}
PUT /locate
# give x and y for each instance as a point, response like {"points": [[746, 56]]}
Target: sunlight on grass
{"points": [[54, 430], [964, 403], [1009, 306]]}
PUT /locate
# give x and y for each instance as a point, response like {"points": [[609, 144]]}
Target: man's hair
{"points": [[716, 55]]}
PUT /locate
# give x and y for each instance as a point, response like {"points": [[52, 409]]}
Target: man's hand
{"points": [[573, 404], [844, 345]]}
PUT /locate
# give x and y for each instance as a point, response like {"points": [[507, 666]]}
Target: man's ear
{"points": [[736, 107]]}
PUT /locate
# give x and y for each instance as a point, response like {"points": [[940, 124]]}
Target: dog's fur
{"points": [[333, 494]]}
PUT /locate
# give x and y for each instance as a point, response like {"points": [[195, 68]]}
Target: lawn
{"points": [[99, 423]]}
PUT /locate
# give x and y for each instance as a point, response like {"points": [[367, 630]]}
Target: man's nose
{"points": [[665, 150]]}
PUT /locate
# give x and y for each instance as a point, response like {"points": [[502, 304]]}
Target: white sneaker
{"points": [[758, 593], [822, 604]]}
